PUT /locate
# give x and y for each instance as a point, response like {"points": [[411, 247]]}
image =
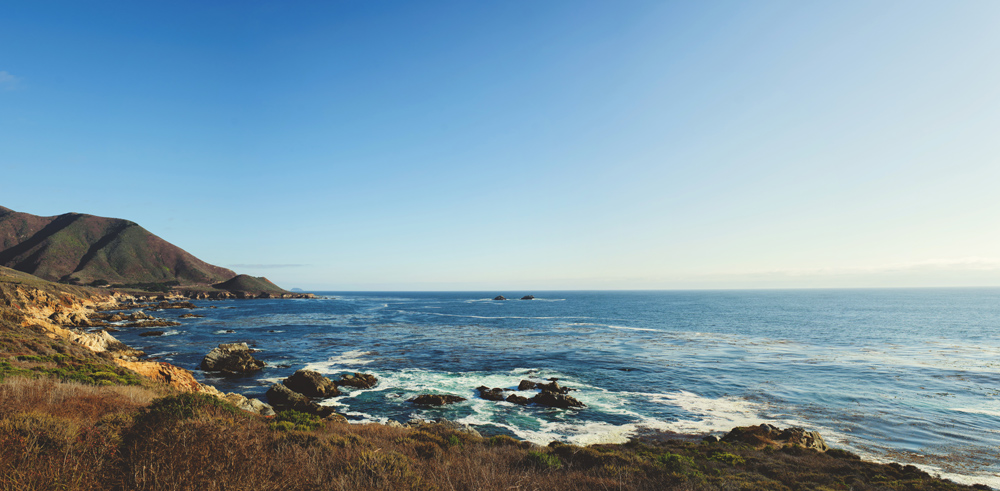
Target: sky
{"points": [[520, 145]]}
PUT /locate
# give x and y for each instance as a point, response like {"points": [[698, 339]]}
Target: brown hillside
{"points": [[252, 284], [84, 248]]}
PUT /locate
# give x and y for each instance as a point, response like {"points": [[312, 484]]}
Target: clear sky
{"points": [[520, 145]]}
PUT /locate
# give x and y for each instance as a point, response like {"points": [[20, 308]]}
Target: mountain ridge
{"points": [[83, 249]]}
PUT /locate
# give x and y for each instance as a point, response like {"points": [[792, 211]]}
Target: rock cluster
{"points": [[766, 435], [435, 399], [231, 358], [551, 394], [295, 391]]}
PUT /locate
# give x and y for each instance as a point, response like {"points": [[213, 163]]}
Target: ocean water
{"points": [[907, 375]]}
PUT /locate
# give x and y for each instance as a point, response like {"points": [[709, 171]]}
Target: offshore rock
{"points": [[520, 400], [283, 398], [766, 435], [553, 399], [528, 297], [358, 380], [311, 384], [499, 297], [435, 399], [494, 394], [231, 358]]}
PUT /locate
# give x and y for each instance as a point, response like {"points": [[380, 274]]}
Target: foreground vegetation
{"points": [[68, 435]]}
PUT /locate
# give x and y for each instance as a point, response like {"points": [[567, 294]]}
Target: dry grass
{"points": [[57, 435]]}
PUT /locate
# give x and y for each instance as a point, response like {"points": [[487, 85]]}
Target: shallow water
{"points": [[910, 375]]}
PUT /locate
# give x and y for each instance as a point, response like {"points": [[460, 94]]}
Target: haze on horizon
{"points": [[521, 146]]}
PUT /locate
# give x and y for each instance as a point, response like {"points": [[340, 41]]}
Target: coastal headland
{"points": [[81, 410]]}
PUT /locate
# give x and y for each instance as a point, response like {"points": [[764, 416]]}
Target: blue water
{"points": [[909, 375]]}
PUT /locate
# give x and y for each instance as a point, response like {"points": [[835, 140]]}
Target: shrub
{"points": [[295, 420], [543, 460]]}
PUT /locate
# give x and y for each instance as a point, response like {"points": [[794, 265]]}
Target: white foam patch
{"points": [[987, 412], [634, 328], [346, 359]]}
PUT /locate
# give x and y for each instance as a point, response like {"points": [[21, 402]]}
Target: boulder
{"points": [[283, 398], [358, 380], [191, 316], [528, 297], [527, 385], [152, 333], [766, 435], [435, 399], [553, 399], [249, 405], [499, 297], [520, 400], [494, 394], [311, 384], [231, 358]]}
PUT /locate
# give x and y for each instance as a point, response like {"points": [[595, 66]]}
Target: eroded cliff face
{"points": [[60, 311]]}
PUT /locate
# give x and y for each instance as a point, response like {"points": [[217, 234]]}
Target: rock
{"points": [[494, 394], [710, 439], [499, 297], [249, 405], [166, 373], [152, 323], [176, 305], [435, 399], [311, 384], [152, 333], [527, 385], [528, 297], [283, 398], [553, 399], [231, 358], [358, 380], [766, 435], [459, 427], [516, 399], [394, 424], [191, 316]]}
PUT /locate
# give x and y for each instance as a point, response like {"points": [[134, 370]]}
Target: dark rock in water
{"points": [[152, 333], [516, 399], [494, 394], [435, 399], [311, 384], [766, 435], [229, 331], [553, 399], [499, 297], [528, 297], [358, 380], [283, 398], [176, 305], [527, 385], [191, 316], [231, 358]]}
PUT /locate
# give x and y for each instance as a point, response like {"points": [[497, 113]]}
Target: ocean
{"points": [[894, 375]]}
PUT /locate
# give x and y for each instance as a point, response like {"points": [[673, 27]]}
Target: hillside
{"points": [[252, 284], [81, 249]]}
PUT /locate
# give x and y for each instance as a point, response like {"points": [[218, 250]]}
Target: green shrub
{"points": [[543, 460], [727, 458], [296, 420]]}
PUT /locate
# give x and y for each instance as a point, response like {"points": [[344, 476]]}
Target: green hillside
{"points": [[81, 249]]}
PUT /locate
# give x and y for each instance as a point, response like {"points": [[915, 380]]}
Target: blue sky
{"points": [[520, 145]]}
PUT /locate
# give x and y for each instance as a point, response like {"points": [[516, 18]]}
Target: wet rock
{"points": [[152, 333], [231, 358], [176, 305], [516, 399], [766, 435], [494, 394], [358, 380], [152, 323], [282, 398], [311, 384], [528, 297], [553, 399], [499, 297], [527, 385], [191, 316], [435, 399]]}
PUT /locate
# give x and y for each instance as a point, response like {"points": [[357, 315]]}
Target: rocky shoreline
{"points": [[89, 319]]}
